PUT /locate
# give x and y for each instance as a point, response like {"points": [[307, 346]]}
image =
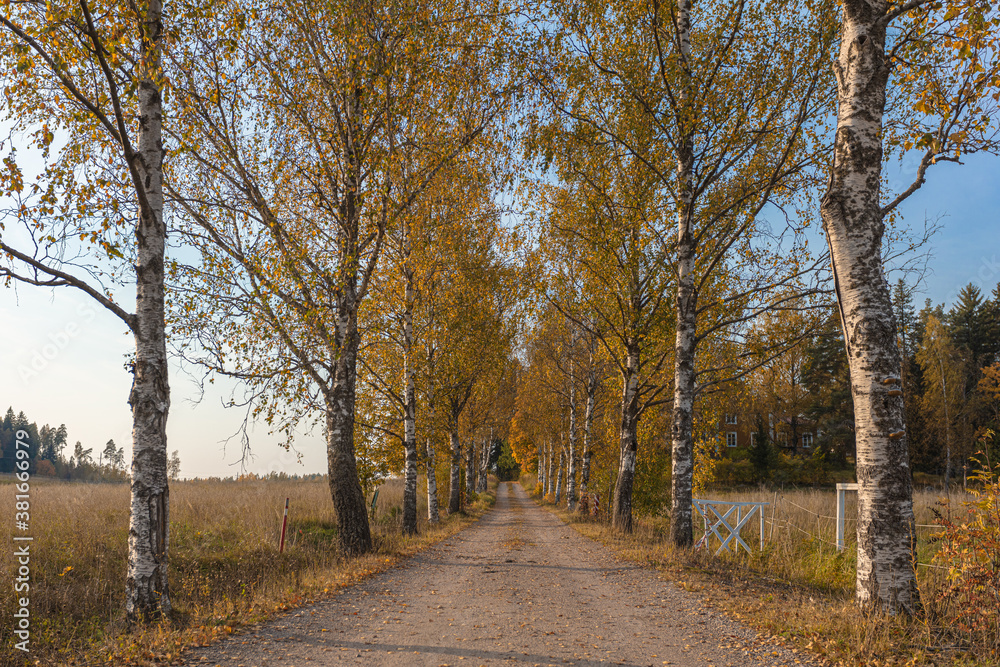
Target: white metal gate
{"points": [[717, 514]]}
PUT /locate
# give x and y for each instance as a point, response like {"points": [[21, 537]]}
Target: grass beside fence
{"points": [[225, 569], [799, 588]]}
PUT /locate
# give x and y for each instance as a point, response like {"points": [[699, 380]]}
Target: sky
{"points": [[62, 356]]}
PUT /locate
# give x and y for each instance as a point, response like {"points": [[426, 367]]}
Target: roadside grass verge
{"points": [[225, 569], [798, 589]]}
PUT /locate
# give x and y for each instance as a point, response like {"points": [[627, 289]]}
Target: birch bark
{"points": [[682, 450], [559, 475], [470, 468], [541, 468], [588, 422], [409, 413], [353, 531], [409, 395], [147, 591], [854, 226], [484, 463], [455, 487], [628, 442], [550, 478], [433, 512], [571, 462]]}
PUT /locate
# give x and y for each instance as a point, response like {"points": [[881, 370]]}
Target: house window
{"points": [[731, 438], [807, 439], [730, 419], [753, 439]]}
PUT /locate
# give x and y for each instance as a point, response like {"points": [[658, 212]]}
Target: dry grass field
{"points": [[225, 569], [800, 589]]}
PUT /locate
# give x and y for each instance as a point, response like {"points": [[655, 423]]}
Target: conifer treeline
{"points": [[951, 376], [47, 457]]}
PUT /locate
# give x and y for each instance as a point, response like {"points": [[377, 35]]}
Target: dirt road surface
{"points": [[517, 588]]}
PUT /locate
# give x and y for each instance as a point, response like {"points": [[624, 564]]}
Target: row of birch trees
{"points": [[331, 172], [326, 171], [685, 150]]}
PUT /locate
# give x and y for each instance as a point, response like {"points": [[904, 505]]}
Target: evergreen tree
{"points": [[760, 450], [826, 376], [174, 465], [910, 329], [969, 326], [83, 456], [114, 456], [944, 400], [921, 325], [53, 441], [906, 319], [991, 329]]}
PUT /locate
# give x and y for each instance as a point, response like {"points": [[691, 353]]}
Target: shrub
{"points": [[970, 550], [730, 472]]}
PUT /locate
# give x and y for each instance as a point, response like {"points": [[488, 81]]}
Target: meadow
{"points": [[800, 589], [225, 568]]}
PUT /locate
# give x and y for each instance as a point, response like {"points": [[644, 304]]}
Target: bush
{"points": [[730, 472], [970, 550]]}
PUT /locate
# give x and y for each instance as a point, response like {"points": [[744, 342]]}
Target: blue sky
{"points": [[967, 250], [63, 357]]}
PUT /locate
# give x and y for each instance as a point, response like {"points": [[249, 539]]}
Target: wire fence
{"points": [[851, 519], [775, 522]]}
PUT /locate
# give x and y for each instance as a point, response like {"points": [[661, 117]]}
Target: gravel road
{"points": [[519, 587]]}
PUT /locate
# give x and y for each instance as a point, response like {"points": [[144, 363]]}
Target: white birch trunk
{"points": [[541, 468], [484, 464], [947, 427], [433, 512], [682, 449], [853, 222], [470, 468], [455, 488], [571, 462], [628, 442], [550, 477], [588, 421], [559, 475], [146, 590], [409, 396], [353, 530]]}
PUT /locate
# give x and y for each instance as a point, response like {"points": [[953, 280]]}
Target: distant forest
{"points": [[49, 457]]}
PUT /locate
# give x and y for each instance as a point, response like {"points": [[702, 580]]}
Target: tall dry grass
{"points": [[225, 569]]}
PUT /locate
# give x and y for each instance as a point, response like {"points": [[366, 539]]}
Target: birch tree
{"points": [[302, 127], [724, 92], [609, 273], [939, 66], [944, 399], [413, 268], [477, 301], [560, 356], [488, 417], [84, 89]]}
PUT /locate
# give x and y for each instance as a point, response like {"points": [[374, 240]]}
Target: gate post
{"points": [[842, 490]]}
